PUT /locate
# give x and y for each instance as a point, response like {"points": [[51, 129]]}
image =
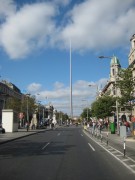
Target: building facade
{"points": [[115, 67], [131, 61], [7, 90]]}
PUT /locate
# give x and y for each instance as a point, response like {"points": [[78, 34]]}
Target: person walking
{"points": [[27, 126]]}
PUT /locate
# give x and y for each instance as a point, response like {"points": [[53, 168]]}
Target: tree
{"points": [[29, 101], [13, 103], [86, 112], [61, 115], [103, 107], [126, 85]]}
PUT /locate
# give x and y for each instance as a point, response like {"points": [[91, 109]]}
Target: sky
{"points": [[35, 38]]}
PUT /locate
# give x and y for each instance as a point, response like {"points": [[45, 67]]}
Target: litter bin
{"points": [[112, 127]]}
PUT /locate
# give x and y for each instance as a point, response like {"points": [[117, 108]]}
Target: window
{"points": [[113, 72]]}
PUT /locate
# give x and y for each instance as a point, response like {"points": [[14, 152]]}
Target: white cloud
{"points": [[97, 24], [27, 30], [34, 87], [7, 8], [60, 96], [58, 85], [91, 25]]}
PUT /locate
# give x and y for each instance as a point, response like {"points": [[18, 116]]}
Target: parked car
{"points": [[2, 130]]}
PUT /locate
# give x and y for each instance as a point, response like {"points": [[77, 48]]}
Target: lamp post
{"points": [[39, 110], [117, 112], [27, 107], [90, 85]]}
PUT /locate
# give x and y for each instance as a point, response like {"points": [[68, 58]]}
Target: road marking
{"points": [[132, 165], [126, 160], [109, 149], [45, 146], [81, 134], [91, 146], [128, 166], [119, 155], [58, 134], [114, 152]]}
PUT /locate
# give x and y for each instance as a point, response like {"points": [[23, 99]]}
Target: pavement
{"points": [[129, 140], [10, 136]]}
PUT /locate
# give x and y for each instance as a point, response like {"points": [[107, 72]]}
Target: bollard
{"points": [[124, 145], [101, 137], [107, 139], [92, 133], [95, 133]]}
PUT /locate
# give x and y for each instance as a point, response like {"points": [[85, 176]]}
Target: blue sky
{"points": [[35, 39]]}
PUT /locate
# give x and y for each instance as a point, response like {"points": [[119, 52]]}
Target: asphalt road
{"points": [[61, 154]]}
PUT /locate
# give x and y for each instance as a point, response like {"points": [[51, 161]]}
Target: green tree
{"points": [[61, 115], [103, 107], [29, 101], [126, 85], [86, 112], [13, 103]]}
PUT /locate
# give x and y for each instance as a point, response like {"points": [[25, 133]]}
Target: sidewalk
{"points": [[130, 140], [10, 136]]}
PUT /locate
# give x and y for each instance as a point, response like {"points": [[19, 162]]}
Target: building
{"points": [[114, 91], [131, 61], [131, 57], [115, 67], [7, 90]]}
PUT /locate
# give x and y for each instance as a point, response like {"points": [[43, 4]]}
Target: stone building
{"points": [[7, 90], [131, 61], [115, 67]]}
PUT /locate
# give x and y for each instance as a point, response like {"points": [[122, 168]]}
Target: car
{"points": [[2, 130]]}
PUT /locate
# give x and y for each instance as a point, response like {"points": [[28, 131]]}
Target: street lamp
{"points": [[27, 107], [117, 112], [91, 85], [39, 110]]}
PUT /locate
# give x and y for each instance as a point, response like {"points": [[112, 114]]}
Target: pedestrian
{"points": [[123, 117], [27, 126]]}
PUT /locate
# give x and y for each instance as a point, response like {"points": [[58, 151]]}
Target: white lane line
{"points": [[132, 165], [126, 165], [58, 134], [114, 152], [125, 160], [91, 146], [110, 149], [118, 155], [45, 146]]}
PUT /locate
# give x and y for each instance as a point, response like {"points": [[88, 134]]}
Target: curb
{"points": [[13, 139]]}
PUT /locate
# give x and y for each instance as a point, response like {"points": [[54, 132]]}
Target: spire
{"points": [[115, 61]]}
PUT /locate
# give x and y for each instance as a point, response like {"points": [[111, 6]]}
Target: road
{"points": [[65, 153]]}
